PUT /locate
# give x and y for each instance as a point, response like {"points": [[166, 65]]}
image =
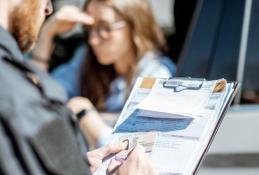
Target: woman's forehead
{"points": [[101, 12]]}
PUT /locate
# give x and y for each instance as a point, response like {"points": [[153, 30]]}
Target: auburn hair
{"points": [[146, 35]]}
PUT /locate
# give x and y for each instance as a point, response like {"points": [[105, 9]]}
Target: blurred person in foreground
{"points": [[36, 131], [124, 42]]}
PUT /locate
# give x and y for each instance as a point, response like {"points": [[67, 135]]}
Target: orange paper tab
{"points": [[147, 83]]}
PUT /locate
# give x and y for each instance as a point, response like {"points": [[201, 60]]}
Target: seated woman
{"points": [[124, 42]]}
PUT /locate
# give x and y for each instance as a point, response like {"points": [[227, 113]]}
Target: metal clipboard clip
{"points": [[179, 84]]}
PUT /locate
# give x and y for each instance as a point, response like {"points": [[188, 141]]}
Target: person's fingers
{"points": [[94, 165], [80, 17], [113, 166], [85, 19], [95, 159], [74, 15], [137, 163], [138, 150], [111, 149]]}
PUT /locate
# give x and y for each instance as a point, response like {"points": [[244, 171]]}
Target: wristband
{"points": [[83, 113]]}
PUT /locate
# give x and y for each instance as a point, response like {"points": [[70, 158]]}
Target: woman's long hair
{"points": [[146, 35]]}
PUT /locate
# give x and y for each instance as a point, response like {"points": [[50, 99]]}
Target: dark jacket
{"points": [[36, 133]]}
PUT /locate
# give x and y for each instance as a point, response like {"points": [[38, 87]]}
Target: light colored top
{"points": [[151, 65]]}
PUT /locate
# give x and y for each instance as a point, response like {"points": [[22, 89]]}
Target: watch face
{"points": [[81, 114]]}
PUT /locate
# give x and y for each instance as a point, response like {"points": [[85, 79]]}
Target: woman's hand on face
{"points": [[65, 19]]}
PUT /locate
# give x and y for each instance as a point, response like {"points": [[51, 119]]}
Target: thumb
{"points": [[111, 149], [113, 166], [139, 149], [84, 19]]}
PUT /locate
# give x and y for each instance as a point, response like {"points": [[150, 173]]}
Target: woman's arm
{"points": [[91, 123], [62, 21], [42, 51]]}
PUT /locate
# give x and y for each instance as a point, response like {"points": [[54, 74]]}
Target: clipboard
{"points": [[235, 87], [149, 84], [171, 84], [178, 85], [175, 82]]}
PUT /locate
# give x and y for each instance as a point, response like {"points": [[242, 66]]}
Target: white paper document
{"points": [[173, 119], [173, 104]]}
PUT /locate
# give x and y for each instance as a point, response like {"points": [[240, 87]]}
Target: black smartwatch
{"points": [[82, 113]]}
